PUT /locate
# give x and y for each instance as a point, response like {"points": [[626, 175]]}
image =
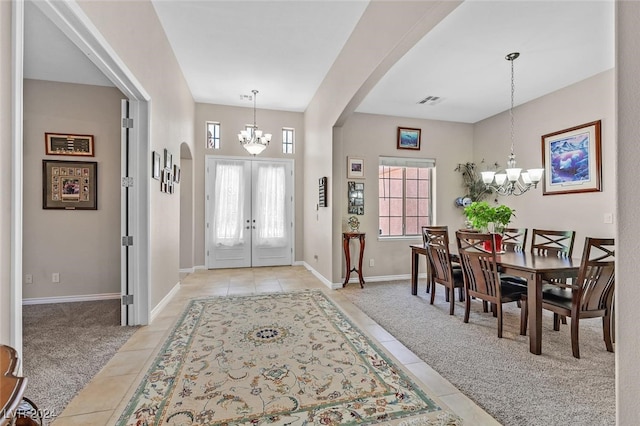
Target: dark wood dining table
{"points": [[534, 268]]}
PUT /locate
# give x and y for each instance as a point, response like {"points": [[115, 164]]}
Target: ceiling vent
{"points": [[246, 97], [431, 100]]}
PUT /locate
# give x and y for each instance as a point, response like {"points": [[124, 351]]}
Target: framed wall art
{"points": [[69, 185], [572, 160], [355, 168], [155, 165], [356, 198], [68, 144], [408, 138]]}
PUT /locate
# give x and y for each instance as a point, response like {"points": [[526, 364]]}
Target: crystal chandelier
{"points": [[512, 182], [251, 138]]}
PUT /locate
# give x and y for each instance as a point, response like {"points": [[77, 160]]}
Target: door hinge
{"points": [[127, 123], [127, 299], [127, 182], [127, 240]]}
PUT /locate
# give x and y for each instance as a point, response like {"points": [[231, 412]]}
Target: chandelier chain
{"points": [[513, 89]]}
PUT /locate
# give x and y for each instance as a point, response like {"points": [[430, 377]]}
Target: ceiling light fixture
{"points": [[251, 138], [512, 182]]}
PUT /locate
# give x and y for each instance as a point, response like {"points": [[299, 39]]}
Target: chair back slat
{"points": [[552, 243], [514, 239]]}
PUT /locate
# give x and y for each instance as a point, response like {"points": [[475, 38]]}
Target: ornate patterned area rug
{"points": [[280, 358]]}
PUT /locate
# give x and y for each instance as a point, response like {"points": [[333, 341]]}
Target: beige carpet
{"points": [[281, 358], [500, 375]]}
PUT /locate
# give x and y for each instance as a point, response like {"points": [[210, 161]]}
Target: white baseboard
{"points": [[67, 299], [199, 267], [319, 276], [187, 270], [165, 300]]}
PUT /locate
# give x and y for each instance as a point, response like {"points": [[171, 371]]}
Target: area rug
{"points": [[282, 358]]}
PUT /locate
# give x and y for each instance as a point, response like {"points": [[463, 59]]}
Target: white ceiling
{"points": [[284, 49]]}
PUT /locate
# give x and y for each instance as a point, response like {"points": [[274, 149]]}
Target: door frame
{"points": [[209, 193], [74, 23]]}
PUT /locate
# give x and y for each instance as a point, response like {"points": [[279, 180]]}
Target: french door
{"points": [[249, 212]]}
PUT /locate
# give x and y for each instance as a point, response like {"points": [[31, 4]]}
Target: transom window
{"points": [[404, 196], [213, 135], [287, 140]]}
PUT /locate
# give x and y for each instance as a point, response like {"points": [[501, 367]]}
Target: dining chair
{"points": [[454, 263], [551, 242], [514, 239], [590, 297], [481, 276], [442, 270]]}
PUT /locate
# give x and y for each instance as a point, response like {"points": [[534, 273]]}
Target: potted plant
{"points": [[485, 218]]}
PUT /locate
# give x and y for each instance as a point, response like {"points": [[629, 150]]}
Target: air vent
{"points": [[430, 100], [246, 97]]}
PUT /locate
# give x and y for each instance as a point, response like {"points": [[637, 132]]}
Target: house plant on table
{"points": [[484, 218]]}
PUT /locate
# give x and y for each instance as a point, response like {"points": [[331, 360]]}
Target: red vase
{"points": [[498, 239]]}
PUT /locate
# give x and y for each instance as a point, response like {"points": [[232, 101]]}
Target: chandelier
{"points": [[251, 138], [512, 181]]}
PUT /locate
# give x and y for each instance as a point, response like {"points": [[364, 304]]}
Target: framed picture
{"points": [[69, 185], [155, 165], [356, 198], [176, 173], [572, 160], [68, 144], [408, 138], [355, 168], [168, 159]]}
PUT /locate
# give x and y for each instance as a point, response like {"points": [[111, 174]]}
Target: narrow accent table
{"points": [[346, 237]]}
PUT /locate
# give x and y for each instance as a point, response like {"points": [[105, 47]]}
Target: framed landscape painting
{"points": [[408, 138], [572, 160]]}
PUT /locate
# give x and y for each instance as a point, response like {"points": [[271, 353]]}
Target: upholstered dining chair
{"points": [[481, 276], [442, 270], [589, 297]]}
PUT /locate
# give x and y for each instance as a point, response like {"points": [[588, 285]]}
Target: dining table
{"points": [[532, 267]]}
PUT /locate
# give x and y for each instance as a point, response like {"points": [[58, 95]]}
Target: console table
{"points": [[346, 237]]}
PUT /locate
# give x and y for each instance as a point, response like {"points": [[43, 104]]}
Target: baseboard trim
{"points": [[187, 270], [165, 300], [319, 276], [68, 299]]}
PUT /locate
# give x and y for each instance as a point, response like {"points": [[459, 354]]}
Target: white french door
{"points": [[249, 212]]}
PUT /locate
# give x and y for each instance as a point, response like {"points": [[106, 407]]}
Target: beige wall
{"points": [[365, 58], [6, 311], [232, 120], [370, 136], [83, 246], [628, 157], [134, 32], [584, 102]]}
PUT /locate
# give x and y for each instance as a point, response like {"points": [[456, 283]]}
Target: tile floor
{"points": [[105, 397]]}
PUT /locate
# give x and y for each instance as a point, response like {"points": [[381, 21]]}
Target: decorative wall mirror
{"points": [[356, 197]]}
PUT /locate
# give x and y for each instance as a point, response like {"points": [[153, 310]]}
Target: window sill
{"points": [[416, 238]]}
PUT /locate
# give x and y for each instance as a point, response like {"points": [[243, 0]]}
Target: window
{"points": [[287, 140], [213, 135], [404, 195]]}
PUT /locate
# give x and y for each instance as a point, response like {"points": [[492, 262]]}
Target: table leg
{"points": [[347, 255], [414, 271], [534, 301], [360, 262]]}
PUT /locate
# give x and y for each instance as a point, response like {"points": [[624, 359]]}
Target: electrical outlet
{"points": [[28, 279], [608, 218], [55, 277], [372, 262]]}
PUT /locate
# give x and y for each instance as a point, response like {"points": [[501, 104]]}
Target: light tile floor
{"points": [[105, 397]]}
